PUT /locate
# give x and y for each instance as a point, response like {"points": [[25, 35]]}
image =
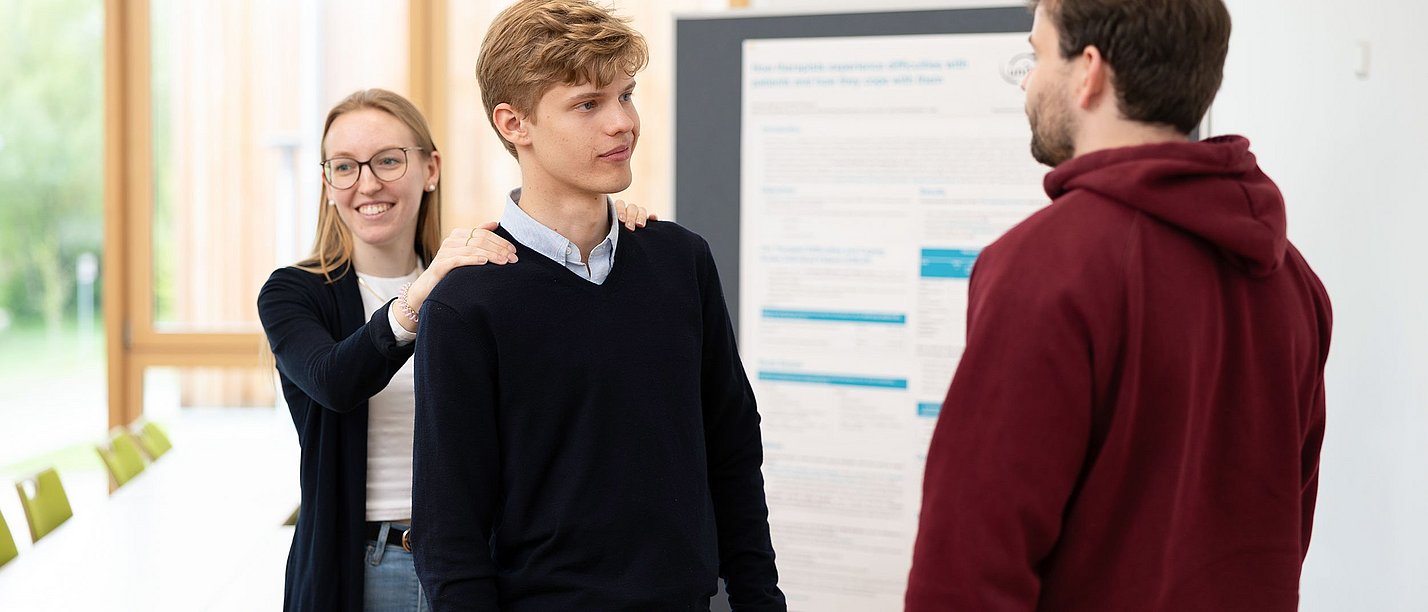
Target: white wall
{"points": [[1348, 152]]}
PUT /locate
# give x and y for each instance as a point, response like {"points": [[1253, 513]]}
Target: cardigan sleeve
{"points": [[455, 461], [339, 373], [736, 456]]}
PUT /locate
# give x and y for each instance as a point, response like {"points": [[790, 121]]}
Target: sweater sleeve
{"points": [[337, 373], [1008, 445], [455, 461], [735, 448]]}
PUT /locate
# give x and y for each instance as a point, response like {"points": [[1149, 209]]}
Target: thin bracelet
{"points": [[405, 306]]}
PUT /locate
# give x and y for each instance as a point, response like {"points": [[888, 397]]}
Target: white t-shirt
{"points": [[390, 414]]}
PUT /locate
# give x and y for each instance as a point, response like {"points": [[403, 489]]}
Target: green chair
{"points": [[121, 456], [7, 543], [47, 506], [292, 518], [152, 438]]}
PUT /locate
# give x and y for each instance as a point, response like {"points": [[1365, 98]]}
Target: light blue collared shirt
{"points": [[560, 249]]}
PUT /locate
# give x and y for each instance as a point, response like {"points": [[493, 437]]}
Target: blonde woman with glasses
{"points": [[342, 326]]}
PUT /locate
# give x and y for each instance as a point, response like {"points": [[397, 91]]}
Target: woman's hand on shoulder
{"points": [[463, 247], [471, 247], [633, 215]]}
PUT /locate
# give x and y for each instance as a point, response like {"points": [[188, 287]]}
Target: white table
{"points": [[199, 529]]}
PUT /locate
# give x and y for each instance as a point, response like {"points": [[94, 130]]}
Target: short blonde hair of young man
{"points": [[534, 45]]}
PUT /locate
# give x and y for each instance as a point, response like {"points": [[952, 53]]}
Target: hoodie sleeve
{"points": [[1010, 440]]}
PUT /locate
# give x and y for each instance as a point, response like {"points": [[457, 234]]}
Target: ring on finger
{"points": [[470, 236]]}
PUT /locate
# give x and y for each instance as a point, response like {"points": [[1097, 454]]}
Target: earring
{"points": [[331, 202], [431, 187]]}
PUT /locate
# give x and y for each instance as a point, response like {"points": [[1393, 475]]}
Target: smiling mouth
{"points": [[373, 209], [619, 154]]}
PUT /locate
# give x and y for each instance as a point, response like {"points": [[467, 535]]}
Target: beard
{"points": [[1051, 128]]}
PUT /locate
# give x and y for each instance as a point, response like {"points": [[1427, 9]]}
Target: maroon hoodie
{"points": [[1136, 421]]}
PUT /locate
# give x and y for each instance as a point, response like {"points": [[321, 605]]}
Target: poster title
{"points": [[897, 73]]}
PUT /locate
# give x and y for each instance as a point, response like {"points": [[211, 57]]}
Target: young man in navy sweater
{"points": [[564, 459]]}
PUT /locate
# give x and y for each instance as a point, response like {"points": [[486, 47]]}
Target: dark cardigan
{"points": [[331, 360]]}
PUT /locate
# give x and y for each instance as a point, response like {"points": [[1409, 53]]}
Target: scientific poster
{"points": [[874, 170]]}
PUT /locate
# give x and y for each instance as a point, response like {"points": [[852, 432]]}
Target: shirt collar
{"points": [[526, 230]]}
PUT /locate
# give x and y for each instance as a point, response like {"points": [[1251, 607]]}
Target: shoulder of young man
{"points": [[666, 238], [467, 284], [1079, 236], [1080, 220]]}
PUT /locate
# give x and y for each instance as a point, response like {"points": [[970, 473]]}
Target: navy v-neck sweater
{"points": [[588, 447]]}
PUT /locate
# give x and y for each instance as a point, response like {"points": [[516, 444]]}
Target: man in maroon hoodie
{"points": [[1136, 421]]}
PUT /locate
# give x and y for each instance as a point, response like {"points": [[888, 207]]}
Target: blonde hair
{"points": [[332, 250], [534, 45]]}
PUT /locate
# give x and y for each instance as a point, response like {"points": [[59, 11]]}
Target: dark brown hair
{"points": [[1168, 56]]}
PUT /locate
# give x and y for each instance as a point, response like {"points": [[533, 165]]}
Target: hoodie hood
{"points": [[1213, 189]]}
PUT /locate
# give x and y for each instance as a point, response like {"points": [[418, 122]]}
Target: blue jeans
{"points": [[390, 581]]}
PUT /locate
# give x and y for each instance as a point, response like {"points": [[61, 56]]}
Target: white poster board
{"points": [[874, 170]]}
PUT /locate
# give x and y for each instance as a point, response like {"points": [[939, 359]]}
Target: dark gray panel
{"points": [[708, 61]]}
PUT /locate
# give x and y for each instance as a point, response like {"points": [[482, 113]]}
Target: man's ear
{"points": [[1095, 78], [511, 124]]}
